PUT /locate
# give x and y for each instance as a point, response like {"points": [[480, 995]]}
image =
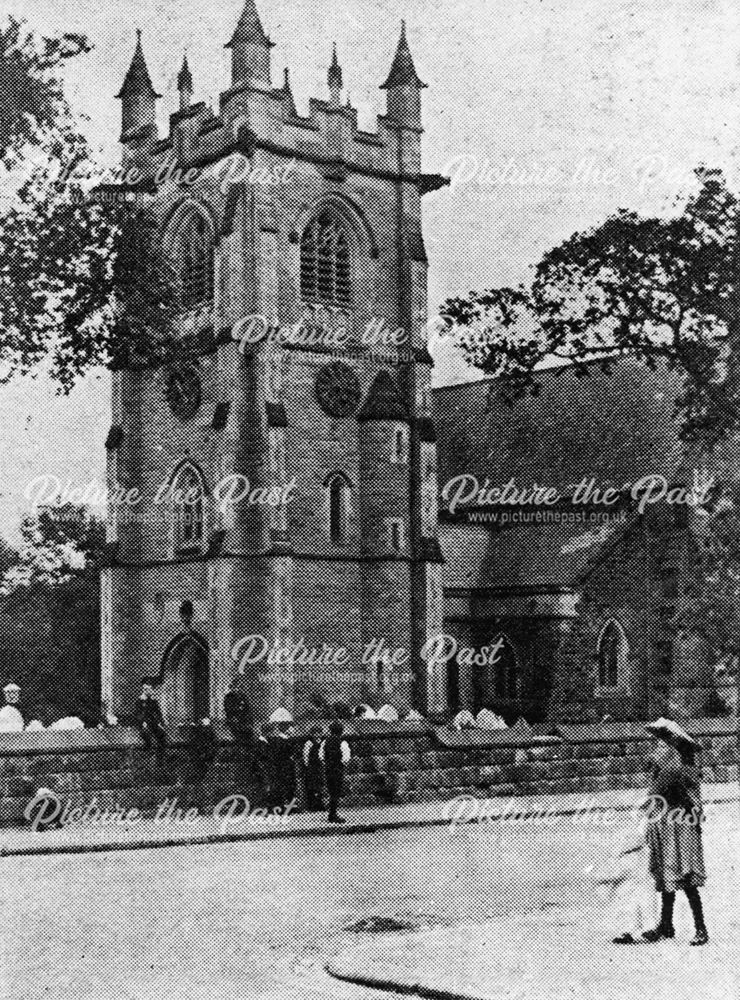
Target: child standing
{"points": [[312, 777], [334, 752]]}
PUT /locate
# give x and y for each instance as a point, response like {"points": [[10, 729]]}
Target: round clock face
{"points": [[338, 389], [183, 391]]}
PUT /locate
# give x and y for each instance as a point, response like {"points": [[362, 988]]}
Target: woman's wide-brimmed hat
{"points": [[671, 732]]}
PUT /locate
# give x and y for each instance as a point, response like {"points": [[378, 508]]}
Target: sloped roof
{"points": [[137, 79], [615, 427], [528, 555], [384, 401], [249, 28]]}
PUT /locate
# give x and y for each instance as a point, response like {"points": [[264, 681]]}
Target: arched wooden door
{"points": [[186, 680]]}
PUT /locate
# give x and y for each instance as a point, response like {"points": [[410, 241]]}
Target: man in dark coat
{"points": [[264, 765], [283, 753], [238, 712], [312, 771], [148, 717], [335, 754]]}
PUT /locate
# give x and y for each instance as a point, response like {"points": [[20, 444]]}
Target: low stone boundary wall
{"points": [[391, 762]]}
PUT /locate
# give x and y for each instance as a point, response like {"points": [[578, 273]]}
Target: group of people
{"points": [[662, 852], [277, 756], [320, 760]]}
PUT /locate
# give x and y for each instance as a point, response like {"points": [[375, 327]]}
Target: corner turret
{"points": [[138, 99], [404, 87], [250, 49]]}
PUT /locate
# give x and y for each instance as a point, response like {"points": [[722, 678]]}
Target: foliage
{"points": [[659, 290], [50, 614], [33, 100], [83, 278], [665, 292]]}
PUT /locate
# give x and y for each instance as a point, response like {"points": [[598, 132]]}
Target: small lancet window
{"points": [[188, 500], [400, 446], [338, 508], [612, 654]]}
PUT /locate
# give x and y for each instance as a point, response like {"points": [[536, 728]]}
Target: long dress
{"points": [[674, 830]]}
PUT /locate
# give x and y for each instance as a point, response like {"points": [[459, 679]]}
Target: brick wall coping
{"points": [[62, 741], [605, 732], [71, 741]]}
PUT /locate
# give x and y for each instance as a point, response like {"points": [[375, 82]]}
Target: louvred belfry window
{"points": [[325, 262], [196, 261]]}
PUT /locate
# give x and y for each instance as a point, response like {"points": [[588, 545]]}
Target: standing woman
{"points": [[674, 827]]}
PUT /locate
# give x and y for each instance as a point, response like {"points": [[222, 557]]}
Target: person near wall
{"points": [[631, 889], [12, 715], [674, 832], [264, 764], [148, 717], [283, 752], [238, 713], [334, 753], [312, 771]]}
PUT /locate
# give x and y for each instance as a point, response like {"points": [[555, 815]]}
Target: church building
{"points": [[294, 524]]}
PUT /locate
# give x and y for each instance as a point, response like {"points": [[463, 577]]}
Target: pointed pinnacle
{"points": [[335, 70], [403, 70], [185, 77], [137, 79], [249, 28]]}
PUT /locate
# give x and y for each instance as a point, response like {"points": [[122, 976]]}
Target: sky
{"points": [[548, 116]]}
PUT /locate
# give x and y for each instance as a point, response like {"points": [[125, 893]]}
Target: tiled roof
{"points": [[616, 428]]}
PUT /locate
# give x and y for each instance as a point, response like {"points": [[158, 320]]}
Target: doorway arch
{"points": [[186, 678]]}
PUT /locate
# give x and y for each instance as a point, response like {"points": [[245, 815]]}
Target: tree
{"points": [[659, 290], [83, 279], [33, 101], [50, 613]]}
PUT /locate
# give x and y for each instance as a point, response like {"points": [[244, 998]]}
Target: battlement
{"points": [[255, 114]]}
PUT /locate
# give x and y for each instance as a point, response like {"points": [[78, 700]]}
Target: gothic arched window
{"points": [[338, 487], [325, 262], [612, 652], [195, 260], [188, 502]]}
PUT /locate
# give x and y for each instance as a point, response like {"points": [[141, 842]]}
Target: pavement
{"points": [[548, 955], [233, 820], [559, 946]]}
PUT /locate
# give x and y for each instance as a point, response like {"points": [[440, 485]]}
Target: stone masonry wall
{"points": [[401, 762]]}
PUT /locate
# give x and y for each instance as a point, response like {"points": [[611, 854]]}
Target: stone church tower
{"points": [[287, 469]]}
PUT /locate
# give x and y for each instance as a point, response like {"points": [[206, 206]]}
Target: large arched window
{"points": [[188, 504], [612, 654], [325, 262], [194, 260]]}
